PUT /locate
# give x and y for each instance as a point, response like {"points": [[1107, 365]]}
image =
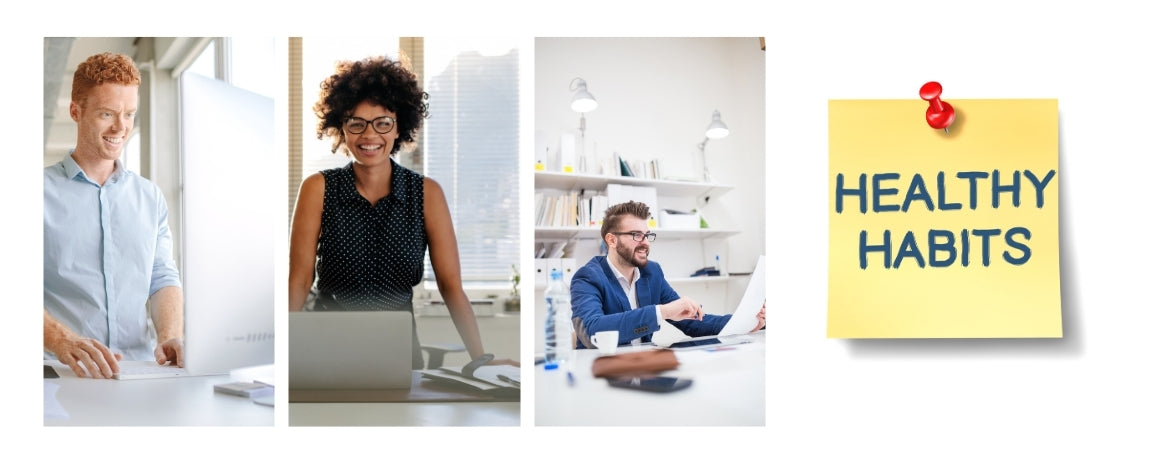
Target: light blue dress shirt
{"points": [[107, 249]]}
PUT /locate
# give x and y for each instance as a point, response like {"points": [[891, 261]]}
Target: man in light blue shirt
{"points": [[107, 246]]}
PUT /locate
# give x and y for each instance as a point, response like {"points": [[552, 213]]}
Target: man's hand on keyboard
{"points": [[87, 357], [170, 350]]}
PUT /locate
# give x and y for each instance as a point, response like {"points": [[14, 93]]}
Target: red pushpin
{"points": [[939, 114]]}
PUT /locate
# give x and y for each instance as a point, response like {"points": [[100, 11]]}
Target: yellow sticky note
{"points": [[944, 235]]}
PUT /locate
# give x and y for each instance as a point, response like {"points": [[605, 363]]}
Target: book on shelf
{"points": [[625, 168], [619, 193], [597, 206], [568, 153], [580, 208], [540, 153], [572, 207]]}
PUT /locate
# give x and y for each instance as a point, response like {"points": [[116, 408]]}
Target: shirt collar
{"points": [[397, 183], [618, 273], [72, 169]]}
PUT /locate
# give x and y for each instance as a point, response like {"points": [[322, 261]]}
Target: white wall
{"points": [[655, 99]]}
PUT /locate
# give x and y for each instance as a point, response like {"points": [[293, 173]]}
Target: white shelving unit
{"points": [[674, 281], [669, 188], [700, 191], [569, 233]]}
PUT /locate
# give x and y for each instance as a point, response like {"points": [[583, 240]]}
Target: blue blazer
{"points": [[599, 304]]}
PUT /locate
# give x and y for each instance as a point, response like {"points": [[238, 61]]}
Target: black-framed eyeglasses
{"points": [[356, 125], [639, 236]]}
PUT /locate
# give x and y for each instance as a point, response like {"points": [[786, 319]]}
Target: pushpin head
{"points": [[939, 114]]}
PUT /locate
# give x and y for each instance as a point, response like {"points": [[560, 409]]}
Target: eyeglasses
{"points": [[639, 236], [356, 125]]}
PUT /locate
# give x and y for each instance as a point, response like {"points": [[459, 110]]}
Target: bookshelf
{"points": [[674, 281], [570, 233], [669, 188], [699, 192]]}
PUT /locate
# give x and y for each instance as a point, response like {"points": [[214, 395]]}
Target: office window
{"points": [[251, 63], [472, 145], [204, 64], [132, 154]]}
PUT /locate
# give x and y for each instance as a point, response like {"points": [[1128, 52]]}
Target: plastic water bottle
{"points": [[558, 330]]}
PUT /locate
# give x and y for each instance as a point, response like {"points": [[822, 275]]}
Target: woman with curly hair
{"points": [[365, 228]]}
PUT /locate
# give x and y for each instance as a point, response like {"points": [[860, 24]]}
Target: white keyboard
{"points": [[147, 370]]}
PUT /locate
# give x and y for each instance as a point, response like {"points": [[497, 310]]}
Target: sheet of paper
{"points": [[490, 374], [667, 334], [743, 319], [53, 409], [944, 235], [446, 373]]}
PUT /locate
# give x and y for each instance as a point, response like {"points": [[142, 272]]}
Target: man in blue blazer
{"points": [[625, 291]]}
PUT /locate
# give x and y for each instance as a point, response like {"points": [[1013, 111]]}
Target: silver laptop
{"points": [[350, 350]]}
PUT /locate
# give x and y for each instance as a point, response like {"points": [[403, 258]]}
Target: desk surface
{"points": [[404, 414], [151, 402], [728, 389], [425, 404], [421, 390]]}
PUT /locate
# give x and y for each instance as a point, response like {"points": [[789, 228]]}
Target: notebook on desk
{"points": [[350, 350]]}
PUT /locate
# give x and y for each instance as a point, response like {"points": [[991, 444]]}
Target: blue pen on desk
{"points": [[569, 375]]}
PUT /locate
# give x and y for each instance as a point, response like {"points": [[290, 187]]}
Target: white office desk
{"points": [[424, 404], [151, 402], [405, 414], [728, 389]]}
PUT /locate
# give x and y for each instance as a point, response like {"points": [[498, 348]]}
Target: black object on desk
{"points": [[51, 373], [708, 271], [651, 384]]}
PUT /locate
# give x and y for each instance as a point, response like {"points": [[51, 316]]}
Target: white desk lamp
{"points": [[581, 101], [716, 130]]}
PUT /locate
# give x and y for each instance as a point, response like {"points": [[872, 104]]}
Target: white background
{"points": [[1099, 394]]}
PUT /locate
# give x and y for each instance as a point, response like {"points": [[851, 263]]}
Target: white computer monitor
{"points": [[228, 213]]}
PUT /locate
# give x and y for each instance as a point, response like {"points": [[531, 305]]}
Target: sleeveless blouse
{"points": [[369, 257]]}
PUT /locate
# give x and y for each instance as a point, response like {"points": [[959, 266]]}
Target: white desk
{"points": [[425, 404], [728, 389], [152, 402], [405, 414]]}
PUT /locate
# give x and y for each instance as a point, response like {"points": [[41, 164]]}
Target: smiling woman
{"points": [[376, 81], [365, 228]]}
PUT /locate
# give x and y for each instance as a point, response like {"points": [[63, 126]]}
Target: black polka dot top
{"points": [[369, 257]]}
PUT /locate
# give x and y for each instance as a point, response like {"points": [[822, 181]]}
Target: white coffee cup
{"points": [[606, 342]]}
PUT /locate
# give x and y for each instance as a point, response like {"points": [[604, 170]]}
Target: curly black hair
{"points": [[378, 80]]}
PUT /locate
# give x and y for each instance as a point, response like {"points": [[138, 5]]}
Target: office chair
{"points": [[435, 352]]}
